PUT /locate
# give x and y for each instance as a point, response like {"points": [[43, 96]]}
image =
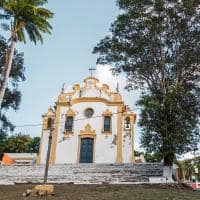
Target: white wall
{"points": [[105, 150], [44, 146], [105, 146], [126, 146]]}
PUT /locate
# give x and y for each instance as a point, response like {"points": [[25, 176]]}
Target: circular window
{"points": [[89, 112]]}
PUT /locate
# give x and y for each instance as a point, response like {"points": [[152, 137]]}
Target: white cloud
{"points": [[189, 155], [104, 74], [137, 145]]}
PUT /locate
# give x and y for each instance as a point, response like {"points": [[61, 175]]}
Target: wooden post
{"points": [[48, 151]]}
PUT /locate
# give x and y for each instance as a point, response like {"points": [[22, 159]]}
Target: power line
{"points": [[80, 119]]}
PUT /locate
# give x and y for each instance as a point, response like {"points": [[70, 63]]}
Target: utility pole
{"points": [[48, 150]]}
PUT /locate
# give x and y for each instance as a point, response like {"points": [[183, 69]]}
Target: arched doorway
{"points": [[86, 150]]}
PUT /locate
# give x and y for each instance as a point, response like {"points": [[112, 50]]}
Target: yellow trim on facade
{"points": [[38, 161], [91, 99], [76, 87], [132, 123], [50, 114], [89, 78], [104, 114], [116, 97], [67, 134], [87, 133], [132, 120], [70, 112], [107, 133], [79, 150], [112, 99], [132, 145], [107, 113], [119, 136], [55, 136], [127, 129]]}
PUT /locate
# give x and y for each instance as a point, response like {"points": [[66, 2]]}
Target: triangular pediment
{"points": [[70, 112]]}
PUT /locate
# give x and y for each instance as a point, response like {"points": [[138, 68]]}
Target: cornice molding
{"points": [[91, 99]]}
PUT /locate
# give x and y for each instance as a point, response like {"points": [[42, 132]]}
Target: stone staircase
{"points": [[82, 173]]}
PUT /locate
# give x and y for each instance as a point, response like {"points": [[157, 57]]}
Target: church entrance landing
{"points": [[86, 151]]}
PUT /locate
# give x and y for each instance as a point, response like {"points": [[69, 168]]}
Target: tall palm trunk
{"points": [[6, 70]]}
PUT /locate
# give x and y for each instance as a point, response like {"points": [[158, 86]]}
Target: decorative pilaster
{"points": [[119, 136], [50, 114], [55, 136]]}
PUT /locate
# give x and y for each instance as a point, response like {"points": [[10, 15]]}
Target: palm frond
{"points": [[45, 13], [33, 33], [21, 36], [37, 2], [29, 16]]}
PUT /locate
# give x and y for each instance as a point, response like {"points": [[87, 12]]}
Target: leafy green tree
{"points": [[3, 144], [187, 167], [34, 144], [156, 42], [23, 16], [18, 143], [152, 157], [12, 97], [197, 163], [21, 143]]}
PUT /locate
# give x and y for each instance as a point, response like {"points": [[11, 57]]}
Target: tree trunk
{"points": [[6, 70], [168, 166], [167, 173], [183, 172]]}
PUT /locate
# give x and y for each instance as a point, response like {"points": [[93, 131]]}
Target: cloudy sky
{"points": [[65, 57]]}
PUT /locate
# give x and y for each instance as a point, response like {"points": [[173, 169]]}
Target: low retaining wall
{"points": [[81, 173]]}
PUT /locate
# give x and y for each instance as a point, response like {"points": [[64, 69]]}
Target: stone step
{"points": [[82, 173]]}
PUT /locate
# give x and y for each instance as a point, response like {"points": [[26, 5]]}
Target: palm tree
{"points": [[26, 18]]}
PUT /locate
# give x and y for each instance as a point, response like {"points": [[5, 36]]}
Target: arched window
{"points": [[107, 123], [69, 124]]}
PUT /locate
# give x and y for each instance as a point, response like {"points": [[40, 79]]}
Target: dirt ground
{"points": [[104, 192]]}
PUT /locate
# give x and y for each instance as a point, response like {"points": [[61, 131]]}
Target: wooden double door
{"points": [[87, 150]]}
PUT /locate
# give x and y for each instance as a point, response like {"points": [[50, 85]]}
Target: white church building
{"points": [[91, 125]]}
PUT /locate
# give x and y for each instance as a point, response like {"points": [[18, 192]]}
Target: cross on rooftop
{"points": [[91, 70]]}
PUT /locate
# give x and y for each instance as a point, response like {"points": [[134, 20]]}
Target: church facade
{"points": [[91, 125]]}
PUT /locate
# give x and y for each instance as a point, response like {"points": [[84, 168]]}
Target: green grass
{"points": [[104, 192]]}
